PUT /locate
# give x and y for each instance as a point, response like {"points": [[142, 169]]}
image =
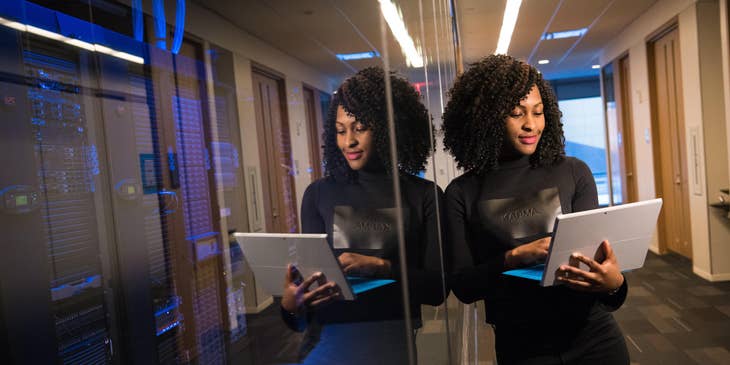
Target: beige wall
{"points": [[714, 130], [704, 112], [248, 49]]}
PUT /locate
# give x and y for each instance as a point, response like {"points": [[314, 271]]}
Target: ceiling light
{"points": [[72, 41], [565, 34], [15, 25], [395, 21], [596, 66], [543, 62], [357, 56], [511, 10]]}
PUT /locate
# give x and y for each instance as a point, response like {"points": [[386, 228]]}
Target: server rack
{"points": [[113, 230]]}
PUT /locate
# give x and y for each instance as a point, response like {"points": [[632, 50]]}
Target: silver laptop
{"points": [[628, 227], [268, 255]]}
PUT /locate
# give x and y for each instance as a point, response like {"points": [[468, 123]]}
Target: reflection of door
{"points": [[625, 137], [275, 152], [315, 128], [669, 148]]}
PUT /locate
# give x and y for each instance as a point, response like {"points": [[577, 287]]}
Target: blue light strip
{"points": [[201, 236], [138, 20], [158, 11], [171, 326], [167, 309], [177, 38], [357, 56]]}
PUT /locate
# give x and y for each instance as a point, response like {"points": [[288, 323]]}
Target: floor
{"points": [[671, 316]]}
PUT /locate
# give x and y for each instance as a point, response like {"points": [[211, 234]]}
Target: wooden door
{"points": [[625, 132], [275, 154], [315, 128], [669, 144]]}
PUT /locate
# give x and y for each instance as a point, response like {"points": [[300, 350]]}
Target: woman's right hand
{"points": [[297, 297], [527, 254]]}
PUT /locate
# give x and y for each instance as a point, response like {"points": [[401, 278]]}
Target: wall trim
{"points": [[710, 277], [263, 305]]}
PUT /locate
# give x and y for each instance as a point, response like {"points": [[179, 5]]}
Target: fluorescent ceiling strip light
{"points": [[44, 33], [357, 56], [72, 41], [397, 26], [595, 67], [80, 44], [565, 34], [15, 25], [123, 55], [543, 62], [509, 20]]}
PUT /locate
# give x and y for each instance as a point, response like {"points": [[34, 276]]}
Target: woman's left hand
{"points": [[363, 265], [604, 275]]}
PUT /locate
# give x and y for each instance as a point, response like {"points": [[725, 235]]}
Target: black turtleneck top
{"points": [[358, 216], [492, 213]]}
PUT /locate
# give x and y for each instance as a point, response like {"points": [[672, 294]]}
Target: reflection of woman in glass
{"points": [[503, 126], [355, 205]]}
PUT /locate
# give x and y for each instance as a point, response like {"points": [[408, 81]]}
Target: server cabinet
{"points": [[54, 203]]}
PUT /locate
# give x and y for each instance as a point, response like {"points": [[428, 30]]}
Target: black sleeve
{"points": [[293, 321], [586, 194], [612, 302], [469, 279], [426, 284], [312, 221]]}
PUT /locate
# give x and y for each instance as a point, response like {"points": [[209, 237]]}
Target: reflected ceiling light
{"points": [[15, 25], [395, 21], [565, 34], [72, 41], [543, 62], [357, 56], [508, 25], [80, 44], [596, 66]]}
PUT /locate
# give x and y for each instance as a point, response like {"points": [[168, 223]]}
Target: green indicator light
{"points": [[21, 200]]}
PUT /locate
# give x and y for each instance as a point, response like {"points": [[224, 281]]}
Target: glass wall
{"points": [[583, 124], [142, 135]]}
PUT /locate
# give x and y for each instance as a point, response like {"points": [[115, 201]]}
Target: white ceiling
{"points": [[480, 22], [313, 31]]}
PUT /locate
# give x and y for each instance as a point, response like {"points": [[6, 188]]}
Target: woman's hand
{"points": [[604, 275], [527, 254], [297, 295], [363, 265]]}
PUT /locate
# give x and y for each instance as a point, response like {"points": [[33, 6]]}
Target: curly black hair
{"points": [[363, 96], [480, 101]]}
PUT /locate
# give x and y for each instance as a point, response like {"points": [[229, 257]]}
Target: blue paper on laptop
{"points": [[629, 228]]}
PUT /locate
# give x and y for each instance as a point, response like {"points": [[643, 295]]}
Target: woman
{"points": [[355, 205], [502, 124]]}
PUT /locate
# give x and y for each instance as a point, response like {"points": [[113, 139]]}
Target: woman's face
{"points": [[354, 139], [525, 123]]}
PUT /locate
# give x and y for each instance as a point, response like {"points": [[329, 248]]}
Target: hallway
{"points": [[670, 317], [674, 317]]}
